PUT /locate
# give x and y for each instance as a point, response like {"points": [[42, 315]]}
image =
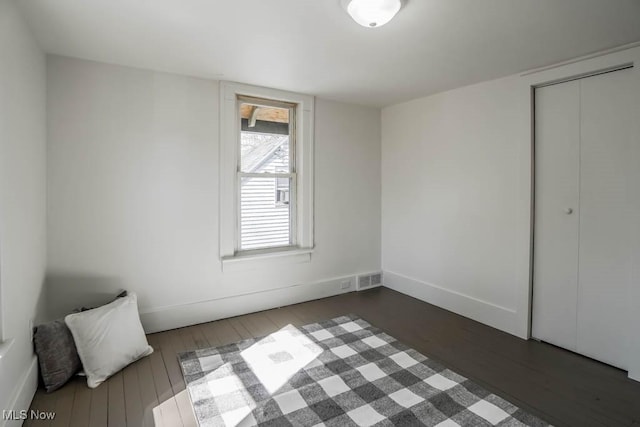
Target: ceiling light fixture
{"points": [[372, 13]]}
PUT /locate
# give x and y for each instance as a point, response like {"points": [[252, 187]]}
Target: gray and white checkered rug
{"points": [[341, 372]]}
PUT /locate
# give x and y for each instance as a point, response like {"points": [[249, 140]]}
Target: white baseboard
{"points": [[24, 393], [634, 375], [177, 316], [484, 312]]}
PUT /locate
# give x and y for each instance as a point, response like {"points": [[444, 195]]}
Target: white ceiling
{"points": [[312, 46]]}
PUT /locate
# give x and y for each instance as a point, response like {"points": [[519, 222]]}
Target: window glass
{"points": [[266, 174]]}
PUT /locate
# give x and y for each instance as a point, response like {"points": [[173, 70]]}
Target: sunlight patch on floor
{"points": [[274, 360], [277, 357]]}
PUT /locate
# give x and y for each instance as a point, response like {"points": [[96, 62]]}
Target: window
{"points": [[267, 219], [266, 174]]}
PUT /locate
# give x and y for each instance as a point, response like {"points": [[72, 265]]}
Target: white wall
{"points": [[456, 195], [450, 173], [133, 197], [22, 201]]}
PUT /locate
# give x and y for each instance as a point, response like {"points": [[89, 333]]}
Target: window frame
{"points": [[229, 168], [291, 175]]}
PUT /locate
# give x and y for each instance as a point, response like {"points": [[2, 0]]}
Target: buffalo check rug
{"points": [[341, 372]]}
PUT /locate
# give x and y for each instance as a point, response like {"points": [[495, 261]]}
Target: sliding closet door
{"points": [[610, 213], [587, 215], [557, 150]]}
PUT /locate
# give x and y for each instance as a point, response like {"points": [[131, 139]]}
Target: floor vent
{"points": [[368, 281]]}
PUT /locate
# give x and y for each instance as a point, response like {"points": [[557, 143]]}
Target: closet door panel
{"points": [[609, 213], [556, 227]]}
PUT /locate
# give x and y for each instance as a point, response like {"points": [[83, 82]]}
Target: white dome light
{"points": [[373, 13]]}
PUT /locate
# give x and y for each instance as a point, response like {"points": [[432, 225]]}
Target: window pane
{"points": [[265, 212], [261, 152], [264, 139]]}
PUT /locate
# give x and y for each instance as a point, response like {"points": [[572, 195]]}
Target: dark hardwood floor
{"points": [[561, 387]]}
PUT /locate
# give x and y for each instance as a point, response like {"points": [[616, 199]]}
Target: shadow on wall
{"points": [[65, 293], [41, 313]]}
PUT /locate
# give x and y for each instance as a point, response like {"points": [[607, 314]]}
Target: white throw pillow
{"points": [[108, 338]]}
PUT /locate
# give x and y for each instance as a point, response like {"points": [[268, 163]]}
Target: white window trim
{"points": [[229, 140]]}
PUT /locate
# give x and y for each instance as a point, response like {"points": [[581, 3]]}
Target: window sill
{"points": [[249, 261], [4, 347]]}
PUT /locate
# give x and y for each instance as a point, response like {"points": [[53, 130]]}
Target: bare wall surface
{"points": [[450, 195], [133, 192], [22, 202]]}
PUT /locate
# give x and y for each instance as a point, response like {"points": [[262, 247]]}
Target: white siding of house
{"points": [[263, 223]]}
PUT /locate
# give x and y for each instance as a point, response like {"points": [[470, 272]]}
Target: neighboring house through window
{"points": [[266, 173], [283, 191]]}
